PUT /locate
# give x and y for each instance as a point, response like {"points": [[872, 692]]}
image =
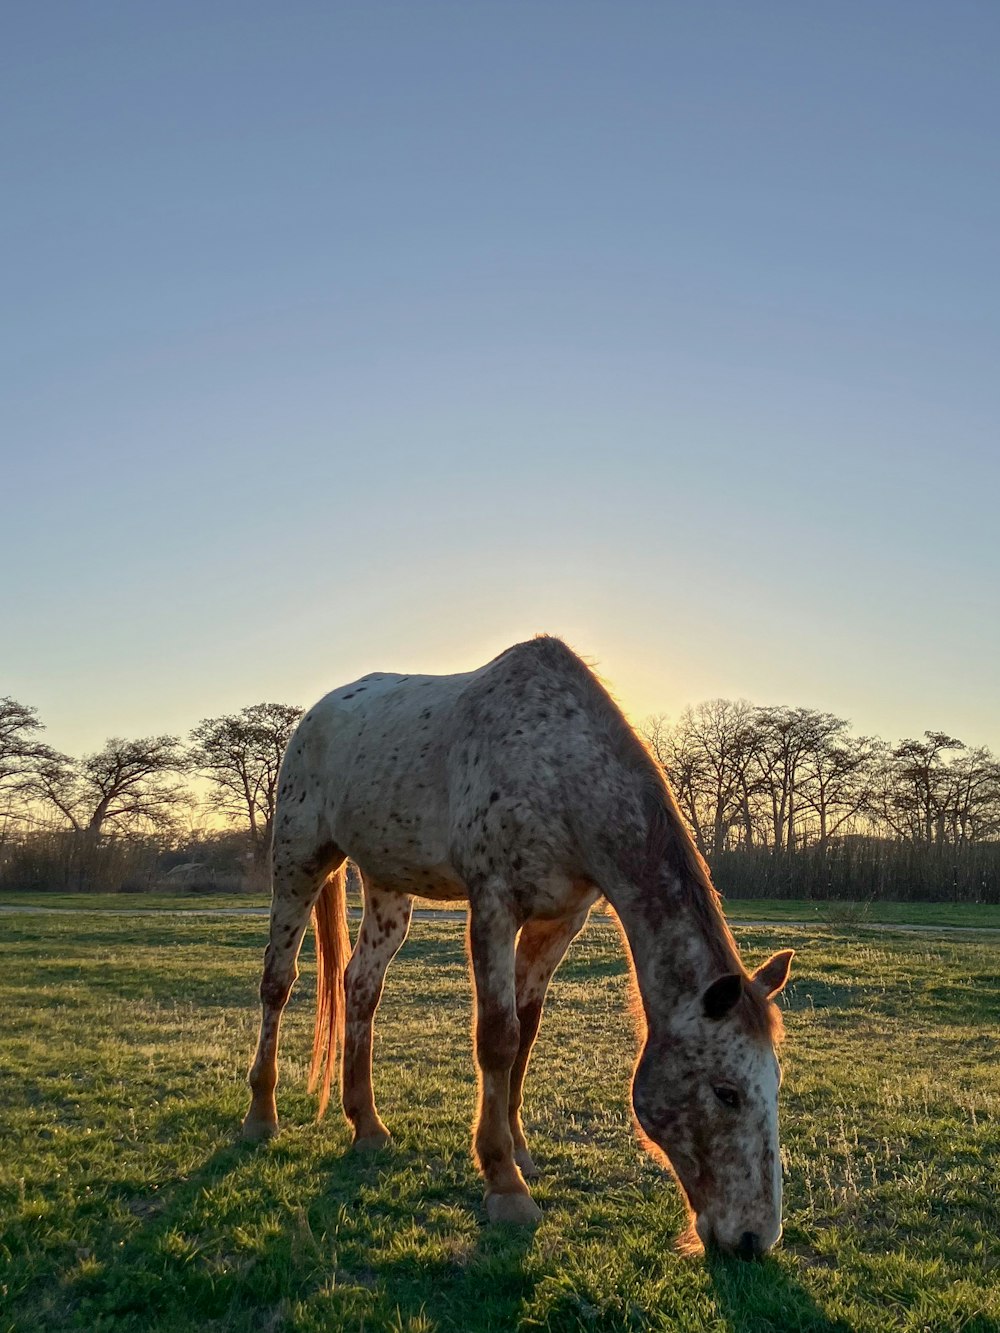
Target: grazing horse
{"points": [[521, 788]]}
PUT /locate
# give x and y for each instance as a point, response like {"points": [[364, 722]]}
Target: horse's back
{"points": [[367, 770], [427, 782]]}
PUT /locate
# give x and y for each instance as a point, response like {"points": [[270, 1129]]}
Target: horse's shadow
{"points": [[349, 1242], [764, 1297], [433, 1285], [133, 1277], [177, 1249]]}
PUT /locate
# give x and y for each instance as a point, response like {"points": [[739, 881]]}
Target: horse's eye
{"points": [[728, 1097]]}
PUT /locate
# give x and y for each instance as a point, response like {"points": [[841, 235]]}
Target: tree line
{"points": [[782, 801], [113, 817], [788, 802]]}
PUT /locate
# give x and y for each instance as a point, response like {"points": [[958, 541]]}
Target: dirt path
{"points": [[448, 914]]}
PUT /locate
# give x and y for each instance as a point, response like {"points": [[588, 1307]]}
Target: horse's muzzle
{"points": [[751, 1244]]}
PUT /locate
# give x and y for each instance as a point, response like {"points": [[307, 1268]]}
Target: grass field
{"points": [[821, 913], [127, 1203]]}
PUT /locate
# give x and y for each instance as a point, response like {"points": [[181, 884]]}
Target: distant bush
{"points": [[70, 861], [66, 862], [864, 869], [853, 868]]}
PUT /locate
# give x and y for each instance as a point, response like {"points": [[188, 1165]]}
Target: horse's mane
{"points": [[669, 840]]}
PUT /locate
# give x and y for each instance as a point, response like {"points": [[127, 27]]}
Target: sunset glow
{"points": [[699, 376]]}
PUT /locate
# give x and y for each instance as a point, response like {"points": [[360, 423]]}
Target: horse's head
{"points": [[705, 1091]]}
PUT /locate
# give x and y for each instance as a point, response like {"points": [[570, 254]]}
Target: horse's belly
{"points": [[422, 878], [559, 895], [442, 886]]}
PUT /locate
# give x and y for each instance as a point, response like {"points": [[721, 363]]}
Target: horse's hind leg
{"points": [[540, 949], [295, 888], [383, 929]]}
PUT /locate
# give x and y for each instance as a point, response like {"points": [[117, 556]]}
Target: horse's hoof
{"points": [[520, 1209], [365, 1143], [526, 1164], [256, 1131]]}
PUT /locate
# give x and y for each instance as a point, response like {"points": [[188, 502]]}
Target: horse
{"points": [[521, 789]]}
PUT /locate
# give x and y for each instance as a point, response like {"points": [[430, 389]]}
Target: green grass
{"points": [[838, 914], [128, 1205], [177, 900], [850, 914]]}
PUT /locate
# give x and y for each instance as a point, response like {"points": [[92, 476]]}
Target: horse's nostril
{"points": [[749, 1246]]}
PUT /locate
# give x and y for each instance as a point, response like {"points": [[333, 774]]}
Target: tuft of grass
{"points": [[128, 1204], [846, 914]]}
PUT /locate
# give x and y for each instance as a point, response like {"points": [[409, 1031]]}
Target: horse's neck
{"points": [[673, 959]]}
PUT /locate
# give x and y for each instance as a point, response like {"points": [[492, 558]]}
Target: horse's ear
{"points": [[773, 974], [722, 995]]}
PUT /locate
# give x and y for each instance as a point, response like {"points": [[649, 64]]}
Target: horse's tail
{"points": [[333, 949]]}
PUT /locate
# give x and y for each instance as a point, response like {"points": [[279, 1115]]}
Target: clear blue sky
{"points": [[343, 337]]}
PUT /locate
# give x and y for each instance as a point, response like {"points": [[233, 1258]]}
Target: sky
{"points": [[353, 337]]}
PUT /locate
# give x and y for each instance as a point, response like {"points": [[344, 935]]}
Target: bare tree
{"points": [[19, 748], [127, 786], [974, 801], [241, 754], [939, 791], [709, 755], [797, 749], [914, 789], [20, 751], [838, 776], [683, 766], [657, 732]]}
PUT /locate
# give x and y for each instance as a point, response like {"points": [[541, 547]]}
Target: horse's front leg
{"points": [[492, 932]]}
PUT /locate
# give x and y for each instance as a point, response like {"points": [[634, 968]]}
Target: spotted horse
{"points": [[521, 788]]}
